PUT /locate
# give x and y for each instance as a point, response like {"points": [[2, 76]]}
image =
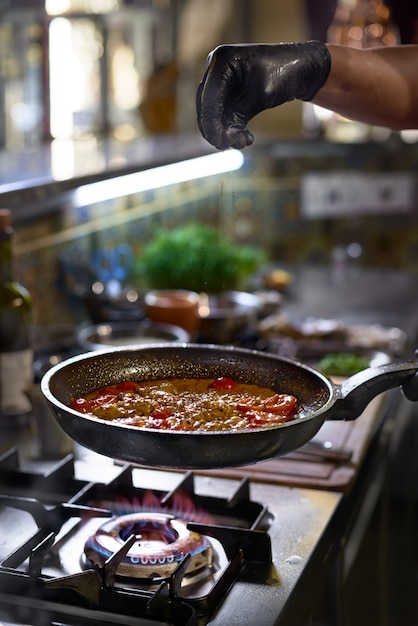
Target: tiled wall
{"points": [[260, 204], [53, 251]]}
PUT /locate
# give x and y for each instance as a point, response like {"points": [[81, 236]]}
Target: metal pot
{"points": [[110, 335], [319, 398], [223, 316]]}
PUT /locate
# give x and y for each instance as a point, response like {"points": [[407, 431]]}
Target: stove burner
{"points": [[162, 543]]}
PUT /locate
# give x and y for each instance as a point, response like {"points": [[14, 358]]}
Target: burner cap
{"points": [[162, 543]]}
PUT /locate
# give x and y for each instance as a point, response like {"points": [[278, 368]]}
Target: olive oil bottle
{"points": [[16, 355]]}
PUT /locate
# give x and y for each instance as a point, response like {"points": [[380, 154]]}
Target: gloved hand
{"points": [[242, 80]]}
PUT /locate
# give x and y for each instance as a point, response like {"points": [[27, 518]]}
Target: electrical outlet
{"points": [[356, 193]]}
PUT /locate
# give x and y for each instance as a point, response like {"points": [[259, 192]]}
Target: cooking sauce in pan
{"points": [[189, 404]]}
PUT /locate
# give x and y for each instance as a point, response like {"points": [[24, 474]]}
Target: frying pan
{"points": [[319, 398]]}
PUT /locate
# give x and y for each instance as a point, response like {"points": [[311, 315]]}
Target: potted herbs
{"points": [[196, 257]]}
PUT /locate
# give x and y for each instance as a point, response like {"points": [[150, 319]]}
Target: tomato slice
{"points": [[127, 385], [254, 419], [161, 413], [244, 408], [81, 404], [280, 404], [276, 408], [223, 383], [157, 424]]}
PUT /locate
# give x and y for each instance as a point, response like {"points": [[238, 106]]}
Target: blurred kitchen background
{"points": [[95, 94], [99, 151]]}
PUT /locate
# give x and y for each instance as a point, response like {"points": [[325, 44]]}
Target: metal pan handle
{"points": [[358, 390]]}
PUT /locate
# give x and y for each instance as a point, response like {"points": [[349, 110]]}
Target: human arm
{"points": [[377, 86]]}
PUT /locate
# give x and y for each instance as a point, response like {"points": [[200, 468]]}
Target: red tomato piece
{"points": [[223, 383], [243, 408], [280, 404], [109, 389], [255, 420], [127, 385], [81, 404], [161, 413], [157, 424], [105, 395]]}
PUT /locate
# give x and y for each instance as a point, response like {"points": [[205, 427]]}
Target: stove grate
{"points": [[61, 498]]}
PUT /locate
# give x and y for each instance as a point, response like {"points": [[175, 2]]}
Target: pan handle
{"points": [[358, 390]]}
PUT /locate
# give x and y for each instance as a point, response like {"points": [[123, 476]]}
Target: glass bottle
{"points": [[16, 355]]}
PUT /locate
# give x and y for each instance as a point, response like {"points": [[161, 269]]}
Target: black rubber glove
{"points": [[242, 80]]}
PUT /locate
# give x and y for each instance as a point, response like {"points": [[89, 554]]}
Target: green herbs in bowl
{"points": [[342, 364], [197, 257]]}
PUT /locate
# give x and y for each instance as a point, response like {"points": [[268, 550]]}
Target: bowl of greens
{"points": [[198, 258], [347, 363]]}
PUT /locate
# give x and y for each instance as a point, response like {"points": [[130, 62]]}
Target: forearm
{"points": [[378, 86]]}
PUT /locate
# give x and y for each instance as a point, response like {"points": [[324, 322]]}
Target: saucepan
{"points": [[318, 396]]}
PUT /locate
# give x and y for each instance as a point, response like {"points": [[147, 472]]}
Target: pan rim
{"points": [[332, 388]]}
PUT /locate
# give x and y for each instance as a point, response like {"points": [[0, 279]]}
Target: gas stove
{"points": [[86, 540]]}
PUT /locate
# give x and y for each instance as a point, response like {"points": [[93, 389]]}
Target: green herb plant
{"points": [[342, 364], [196, 257]]}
